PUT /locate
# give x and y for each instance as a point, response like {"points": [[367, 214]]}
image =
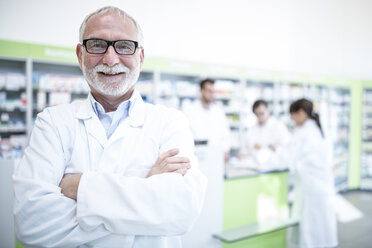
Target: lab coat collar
{"points": [[136, 112], [94, 127], [85, 110]]}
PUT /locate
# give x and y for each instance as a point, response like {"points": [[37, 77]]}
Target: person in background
{"points": [[267, 136], [310, 156], [208, 121], [111, 170]]}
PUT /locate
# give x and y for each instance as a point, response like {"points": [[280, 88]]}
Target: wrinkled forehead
{"points": [[110, 23]]}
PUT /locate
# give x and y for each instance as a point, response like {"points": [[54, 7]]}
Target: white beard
{"points": [[111, 87]]}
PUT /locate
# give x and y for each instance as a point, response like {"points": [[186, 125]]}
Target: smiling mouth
{"points": [[110, 74]]}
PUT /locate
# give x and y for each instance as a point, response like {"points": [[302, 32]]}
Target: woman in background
{"points": [[309, 155]]}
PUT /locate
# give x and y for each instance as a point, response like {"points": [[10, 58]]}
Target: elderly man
{"points": [[110, 171]]}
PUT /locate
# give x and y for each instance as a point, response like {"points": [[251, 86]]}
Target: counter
{"points": [[233, 173], [252, 196]]}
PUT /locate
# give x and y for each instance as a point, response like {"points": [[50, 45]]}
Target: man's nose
{"points": [[110, 58]]}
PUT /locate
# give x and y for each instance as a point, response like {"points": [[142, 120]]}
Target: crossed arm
{"points": [[166, 163], [46, 218]]}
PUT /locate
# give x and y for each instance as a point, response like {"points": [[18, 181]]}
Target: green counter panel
{"points": [[18, 245], [242, 197]]}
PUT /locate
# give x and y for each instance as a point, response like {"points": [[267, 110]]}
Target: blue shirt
{"points": [[111, 120]]}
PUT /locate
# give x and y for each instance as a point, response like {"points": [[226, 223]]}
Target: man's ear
{"points": [[79, 54], [142, 57]]}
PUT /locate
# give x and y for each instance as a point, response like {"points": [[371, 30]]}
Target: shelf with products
{"points": [[13, 103], [12, 93], [54, 84], [367, 146], [145, 86], [176, 90], [265, 84], [366, 170], [228, 94], [366, 155], [333, 105], [336, 122]]}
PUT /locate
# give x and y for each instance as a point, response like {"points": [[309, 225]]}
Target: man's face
{"points": [[262, 113], [207, 93], [110, 74]]}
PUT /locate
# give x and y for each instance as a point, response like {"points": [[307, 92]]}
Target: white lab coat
{"points": [[309, 155], [209, 124], [116, 205], [272, 132]]}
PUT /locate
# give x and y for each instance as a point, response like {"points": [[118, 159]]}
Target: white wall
{"points": [[331, 37]]}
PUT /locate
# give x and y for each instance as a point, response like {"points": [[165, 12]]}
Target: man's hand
{"points": [[226, 157], [257, 146], [70, 184], [167, 162], [272, 147]]}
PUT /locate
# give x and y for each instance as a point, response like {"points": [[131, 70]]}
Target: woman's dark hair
{"points": [[307, 107], [258, 103]]}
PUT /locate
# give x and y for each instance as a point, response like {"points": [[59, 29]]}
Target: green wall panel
{"points": [[38, 52]]}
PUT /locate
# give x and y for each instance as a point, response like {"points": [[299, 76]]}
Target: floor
{"points": [[358, 233]]}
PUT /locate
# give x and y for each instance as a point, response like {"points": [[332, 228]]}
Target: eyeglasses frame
{"points": [[111, 43]]}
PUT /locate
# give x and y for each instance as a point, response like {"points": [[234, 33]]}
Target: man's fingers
{"points": [[181, 171], [176, 160], [174, 167], [169, 153], [169, 162]]}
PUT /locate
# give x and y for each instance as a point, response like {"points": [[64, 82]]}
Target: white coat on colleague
{"points": [[208, 121], [85, 181], [267, 137], [309, 155]]}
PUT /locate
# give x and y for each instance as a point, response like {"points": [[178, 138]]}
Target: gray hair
{"points": [[118, 11]]}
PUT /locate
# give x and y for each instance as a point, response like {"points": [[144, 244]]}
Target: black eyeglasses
{"points": [[100, 46]]}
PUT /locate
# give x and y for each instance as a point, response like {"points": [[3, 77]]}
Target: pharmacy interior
{"points": [[43, 76], [274, 51]]}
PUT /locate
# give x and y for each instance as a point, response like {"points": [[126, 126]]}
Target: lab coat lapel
{"points": [[136, 118], [92, 124], [137, 112]]}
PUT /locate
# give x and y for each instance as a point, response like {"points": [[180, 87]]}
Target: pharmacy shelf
{"points": [[174, 82], [366, 156], [55, 83], [12, 129], [13, 109]]}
